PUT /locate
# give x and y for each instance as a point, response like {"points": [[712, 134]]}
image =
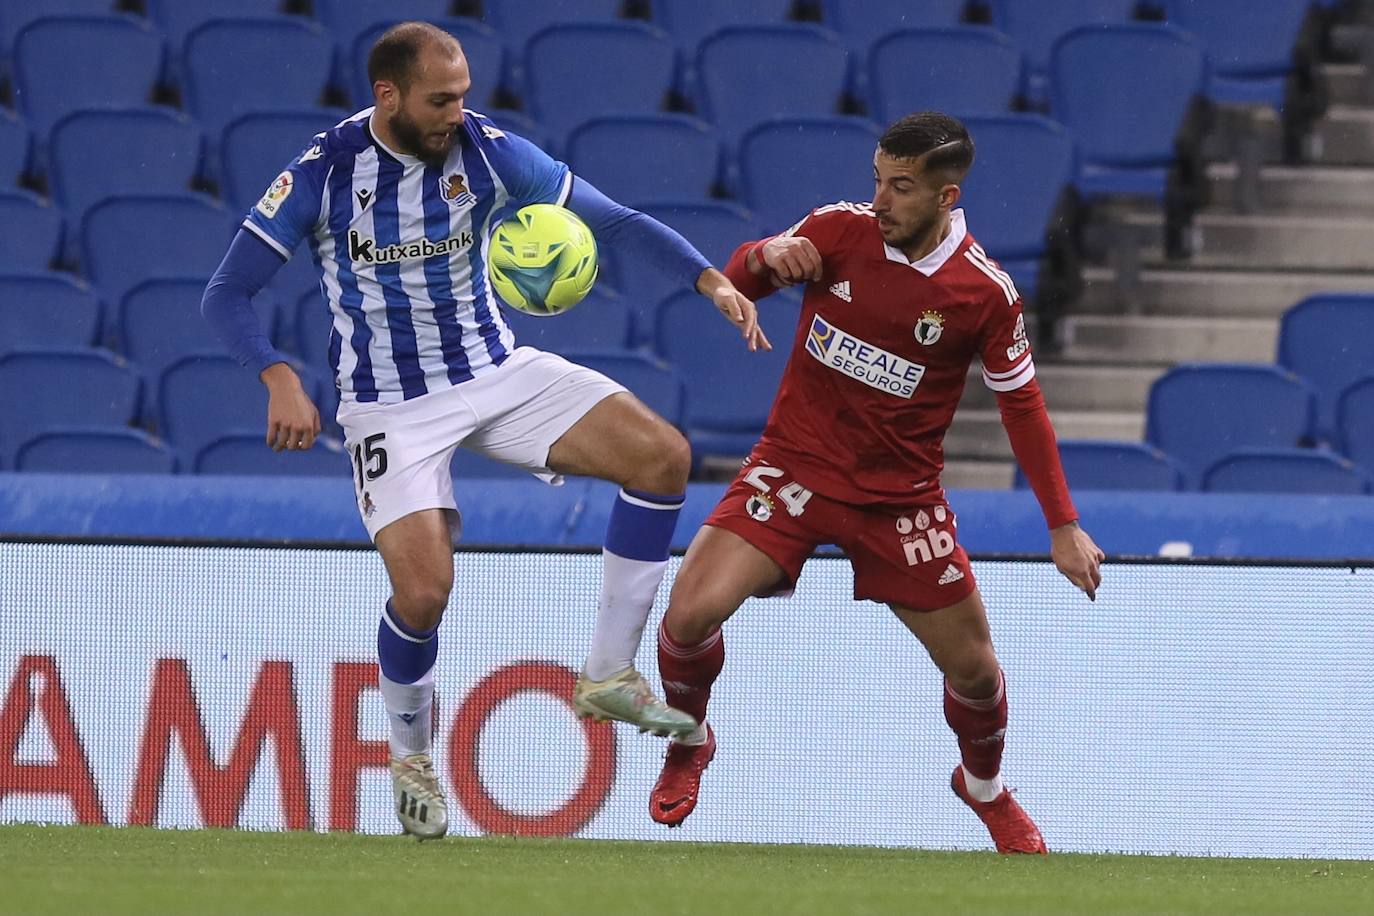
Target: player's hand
{"points": [[1077, 557], [737, 308], [792, 259], [292, 420]]}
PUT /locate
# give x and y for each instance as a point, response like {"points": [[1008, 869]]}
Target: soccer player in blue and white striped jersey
{"points": [[397, 204]]}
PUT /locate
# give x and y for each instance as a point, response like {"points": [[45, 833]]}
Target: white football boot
{"points": [[420, 803]]}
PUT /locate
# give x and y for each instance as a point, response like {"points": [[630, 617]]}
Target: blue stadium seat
{"points": [[1035, 25], [1202, 411], [1285, 470], [204, 397], [729, 389], [690, 21], [751, 74], [610, 153], [63, 64], [16, 14], [46, 310], [1125, 149], [63, 389], [31, 232], [236, 66], [716, 228], [1325, 339], [967, 70], [1024, 165], [127, 240], [520, 123], [651, 380], [349, 18], [258, 146], [483, 48], [1355, 422], [1095, 465], [566, 65], [599, 322], [516, 21], [861, 23], [179, 18], [159, 153], [788, 168], [97, 451], [160, 322], [248, 453], [468, 465], [16, 146], [1249, 45]]}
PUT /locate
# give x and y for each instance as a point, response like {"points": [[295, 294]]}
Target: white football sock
{"points": [[983, 790], [408, 709], [628, 588]]}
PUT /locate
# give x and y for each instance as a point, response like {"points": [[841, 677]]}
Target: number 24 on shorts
{"points": [[370, 458], [793, 495]]}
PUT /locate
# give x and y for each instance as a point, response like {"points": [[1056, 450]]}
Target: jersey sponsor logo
{"points": [[365, 250], [841, 291], [929, 328], [456, 192], [276, 195], [922, 543], [1019, 342], [862, 361]]}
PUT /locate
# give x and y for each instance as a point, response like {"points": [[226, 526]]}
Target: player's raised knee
{"points": [[664, 461]]}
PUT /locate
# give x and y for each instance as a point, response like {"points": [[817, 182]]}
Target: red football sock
{"points": [[689, 671], [981, 726]]}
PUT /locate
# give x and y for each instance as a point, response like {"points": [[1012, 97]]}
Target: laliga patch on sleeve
{"points": [[276, 194]]}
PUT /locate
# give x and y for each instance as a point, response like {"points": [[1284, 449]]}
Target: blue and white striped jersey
{"points": [[402, 250]]}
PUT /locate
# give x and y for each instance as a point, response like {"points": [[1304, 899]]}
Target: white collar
{"points": [[403, 158], [943, 251]]}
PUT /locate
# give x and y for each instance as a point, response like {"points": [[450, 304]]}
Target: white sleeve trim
{"points": [[272, 243], [566, 192], [1017, 378]]}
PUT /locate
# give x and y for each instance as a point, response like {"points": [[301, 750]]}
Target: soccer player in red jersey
{"points": [[899, 299]]}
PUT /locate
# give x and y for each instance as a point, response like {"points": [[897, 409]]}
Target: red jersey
{"points": [[881, 354]]}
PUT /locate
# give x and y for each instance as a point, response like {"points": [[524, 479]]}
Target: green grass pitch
{"points": [[52, 870]]}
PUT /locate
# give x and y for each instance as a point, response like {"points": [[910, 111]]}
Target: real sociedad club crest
{"points": [[929, 328], [455, 191]]}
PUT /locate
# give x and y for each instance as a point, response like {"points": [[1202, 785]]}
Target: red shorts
{"points": [[904, 556]]}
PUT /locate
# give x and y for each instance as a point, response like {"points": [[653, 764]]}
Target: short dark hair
{"points": [[393, 56], [917, 134]]}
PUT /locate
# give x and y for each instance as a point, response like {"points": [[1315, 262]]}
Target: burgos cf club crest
{"points": [[455, 191], [929, 328], [759, 507]]}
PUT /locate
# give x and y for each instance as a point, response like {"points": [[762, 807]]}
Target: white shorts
{"points": [[515, 413]]}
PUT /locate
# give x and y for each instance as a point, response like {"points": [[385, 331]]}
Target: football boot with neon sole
{"points": [[1011, 828], [627, 697], [675, 794], [420, 804]]}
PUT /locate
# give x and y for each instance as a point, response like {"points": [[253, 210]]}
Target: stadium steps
{"points": [[1332, 190], [1217, 293], [978, 434], [1348, 84], [1266, 241], [1165, 339]]}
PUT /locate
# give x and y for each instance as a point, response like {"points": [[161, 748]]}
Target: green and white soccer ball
{"points": [[543, 260]]}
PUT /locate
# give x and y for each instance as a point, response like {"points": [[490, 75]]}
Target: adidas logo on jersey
{"points": [[951, 574], [841, 290]]}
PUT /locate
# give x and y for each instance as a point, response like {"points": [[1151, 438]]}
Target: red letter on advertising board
{"points": [[70, 773], [348, 753], [220, 791]]}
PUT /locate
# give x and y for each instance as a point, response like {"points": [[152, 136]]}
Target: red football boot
{"points": [[674, 796], [1011, 827]]}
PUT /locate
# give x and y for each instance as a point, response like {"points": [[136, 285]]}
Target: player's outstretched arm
{"points": [[737, 308]]}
